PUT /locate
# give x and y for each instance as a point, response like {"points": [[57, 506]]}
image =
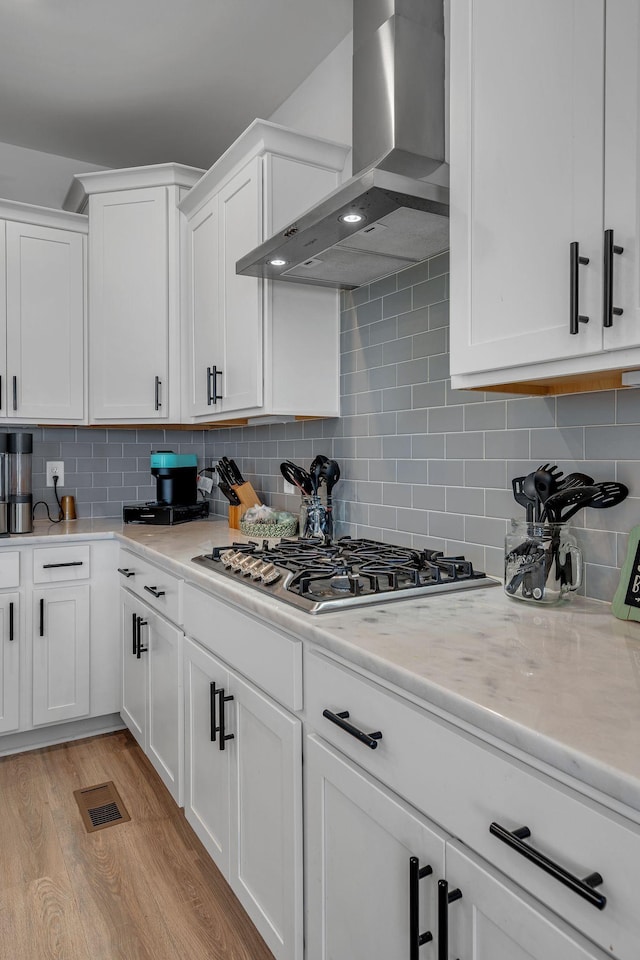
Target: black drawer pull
{"points": [[154, 591], [213, 693], [134, 634], [340, 720], [11, 621], [15, 393], [42, 617], [444, 899], [126, 572], [71, 563], [416, 939], [575, 317], [584, 888]]}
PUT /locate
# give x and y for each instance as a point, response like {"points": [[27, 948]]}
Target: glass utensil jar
{"points": [[315, 519], [542, 562]]}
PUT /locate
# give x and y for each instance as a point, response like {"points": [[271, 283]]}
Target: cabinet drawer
{"points": [[9, 569], [52, 564], [271, 659], [465, 785], [160, 589]]}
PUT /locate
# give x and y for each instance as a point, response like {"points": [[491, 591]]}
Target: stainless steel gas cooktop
{"points": [[319, 576]]}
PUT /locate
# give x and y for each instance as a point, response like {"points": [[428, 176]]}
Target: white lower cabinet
{"points": [[152, 688], [10, 644], [61, 653], [243, 794], [363, 850], [495, 920]]}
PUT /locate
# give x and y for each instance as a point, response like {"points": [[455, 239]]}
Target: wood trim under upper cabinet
{"points": [[554, 386]]}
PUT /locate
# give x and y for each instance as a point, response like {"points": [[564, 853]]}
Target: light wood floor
{"points": [[144, 890]]}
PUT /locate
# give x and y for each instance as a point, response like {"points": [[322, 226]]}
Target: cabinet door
{"points": [[134, 673], [166, 726], [622, 167], [206, 786], [495, 920], [9, 662], [205, 335], [45, 323], [240, 210], [61, 638], [266, 816], [527, 118], [129, 305], [358, 845]]}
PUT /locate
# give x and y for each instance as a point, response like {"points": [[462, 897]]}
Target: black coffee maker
{"points": [[177, 492]]}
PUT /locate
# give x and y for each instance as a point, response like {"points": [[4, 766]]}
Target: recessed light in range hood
{"points": [[398, 138]]}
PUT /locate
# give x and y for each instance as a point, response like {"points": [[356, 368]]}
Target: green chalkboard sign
{"points": [[626, 602]]}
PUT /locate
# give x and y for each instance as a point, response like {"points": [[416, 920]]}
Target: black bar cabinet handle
{"points": [[15, 393], [584, 888], [209, 394], [11, 621], [42, 616], [221, 728], [416, 939], [213, 693], [154, 590], [444, 899], [575, 317], [340, 720], [158, 404], [126, 572], [215, 373], [134, 634], [609, 311], [139, 648], [72, 563]]}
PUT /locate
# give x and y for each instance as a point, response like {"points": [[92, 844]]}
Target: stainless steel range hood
{"points": [[398, 144]]}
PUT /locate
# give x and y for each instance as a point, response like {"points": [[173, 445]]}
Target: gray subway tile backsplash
{"points": [[422, 464]]}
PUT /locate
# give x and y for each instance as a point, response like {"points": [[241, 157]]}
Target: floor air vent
{"points": [[100, 806]]}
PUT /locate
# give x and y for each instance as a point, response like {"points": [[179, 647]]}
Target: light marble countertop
{"points": [[561, 684]]}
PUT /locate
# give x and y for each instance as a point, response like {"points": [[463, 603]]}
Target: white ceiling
{"points": [[128, 82]]}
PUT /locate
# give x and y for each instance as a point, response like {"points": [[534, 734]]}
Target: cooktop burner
{"points": [[319, 576]]}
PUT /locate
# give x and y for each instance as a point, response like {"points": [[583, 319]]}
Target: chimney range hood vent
{"points": [[398, 144]]}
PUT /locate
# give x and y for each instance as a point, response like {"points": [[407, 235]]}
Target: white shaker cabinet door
{"points": [[163, 644], [265, 870], [622, 172], [10, 643], [61, 642], [495, 920], [205, 334], [45, 323], [240, 210], [206, 786], [527, 119], [359, 841], [129, 305], [134, 672]]}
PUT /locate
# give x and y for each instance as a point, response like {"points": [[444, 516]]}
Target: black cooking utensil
{"points": [[233, 471], [298, 476], [545, 480], [223, 472], [521, 497], [330, 475], [608, 493], [575, 480], [316, 471], [573, 498]]}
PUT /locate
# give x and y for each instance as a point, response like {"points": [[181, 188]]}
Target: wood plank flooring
{"points": [[144, 890]]}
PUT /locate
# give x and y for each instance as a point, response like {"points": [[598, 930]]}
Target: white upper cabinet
{"points": [[134, 293], [252, 347], [544, 160], [42, 310]]}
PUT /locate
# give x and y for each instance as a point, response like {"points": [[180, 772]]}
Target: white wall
{"points": [[34, 177], [321, 105]]}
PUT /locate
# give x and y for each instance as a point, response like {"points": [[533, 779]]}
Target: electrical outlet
{"points": [[289, 488], [55, 468]]}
